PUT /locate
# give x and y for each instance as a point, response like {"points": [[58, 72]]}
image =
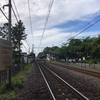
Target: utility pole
{"points": [[9, 38]]}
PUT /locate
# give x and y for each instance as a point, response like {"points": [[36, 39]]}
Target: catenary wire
{"points": [[14, 14], [49, 9], [83, 30], [16, 9], [87, 20], [83, 24], [25, 47], [4, 14], [30, 20], [17, 21], [17, 18]]}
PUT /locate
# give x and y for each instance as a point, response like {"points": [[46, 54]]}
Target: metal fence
{"points": [[3, 74]]}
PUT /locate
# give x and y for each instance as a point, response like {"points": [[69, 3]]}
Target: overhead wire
{"points": [[86, 28], [25, 47], [87, 20], [14, 14], [30, 21], [16, 9], [27, 43], [11, 24], [4, 14], [83, 24], [17, 18], [48, 14], [83, 30], [17, 21]]}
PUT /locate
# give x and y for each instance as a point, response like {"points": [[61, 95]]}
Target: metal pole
{"points": [[9, 70]]}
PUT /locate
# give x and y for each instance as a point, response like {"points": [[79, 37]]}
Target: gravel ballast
{"points": [[34, 87], [88, 85]]}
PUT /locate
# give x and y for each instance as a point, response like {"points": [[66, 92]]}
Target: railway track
{"points": [[58, 88], [85, 71]]}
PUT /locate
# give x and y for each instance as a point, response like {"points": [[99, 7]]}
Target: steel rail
{"points": [[84, 71], [72, 88], [46, 82]]}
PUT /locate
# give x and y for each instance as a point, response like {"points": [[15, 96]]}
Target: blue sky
{"points": [[65, 17]]}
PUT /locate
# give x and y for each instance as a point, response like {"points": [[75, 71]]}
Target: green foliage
{"points": [[18, 34], [77, 48], [48, 50], [4, 87], [4, 31], [16, 84], [22, 67]]}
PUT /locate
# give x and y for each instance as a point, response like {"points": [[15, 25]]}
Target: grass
{"points": [[16, 83]]}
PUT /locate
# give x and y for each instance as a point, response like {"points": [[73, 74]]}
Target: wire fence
{"points": [[3, 74]]}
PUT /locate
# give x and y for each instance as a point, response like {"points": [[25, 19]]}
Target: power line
{"points": [[25, 47], [30, 21], [84, 30], [19, 17], [85, 22], [12, 26], [88, 19], [48, 14], [27, 44], [4, 14], [16, 9], [17, 21], [14, 14]]}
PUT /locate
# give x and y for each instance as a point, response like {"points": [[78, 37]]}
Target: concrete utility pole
{"points": [[9, 38], [10, 20]]}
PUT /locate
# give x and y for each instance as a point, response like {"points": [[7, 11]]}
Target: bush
{"points": [[16, 84], [4, 87]]}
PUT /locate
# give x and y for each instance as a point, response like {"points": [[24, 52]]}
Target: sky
{"points": [[67, 18]]}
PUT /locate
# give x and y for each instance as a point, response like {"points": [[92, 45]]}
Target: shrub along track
{"points": [[81, 70], [86, 84], [60, 88]]}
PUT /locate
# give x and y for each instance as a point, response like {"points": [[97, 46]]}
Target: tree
{"points": [[85, 47], [74, 47], [4, 31], [95, 48], [18, 34]]}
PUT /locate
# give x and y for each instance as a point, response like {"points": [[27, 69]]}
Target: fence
{"points": [[86, 65], [3, 74]]}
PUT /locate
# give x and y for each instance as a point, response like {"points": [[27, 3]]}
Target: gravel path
{"points": [[87, 85]]}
